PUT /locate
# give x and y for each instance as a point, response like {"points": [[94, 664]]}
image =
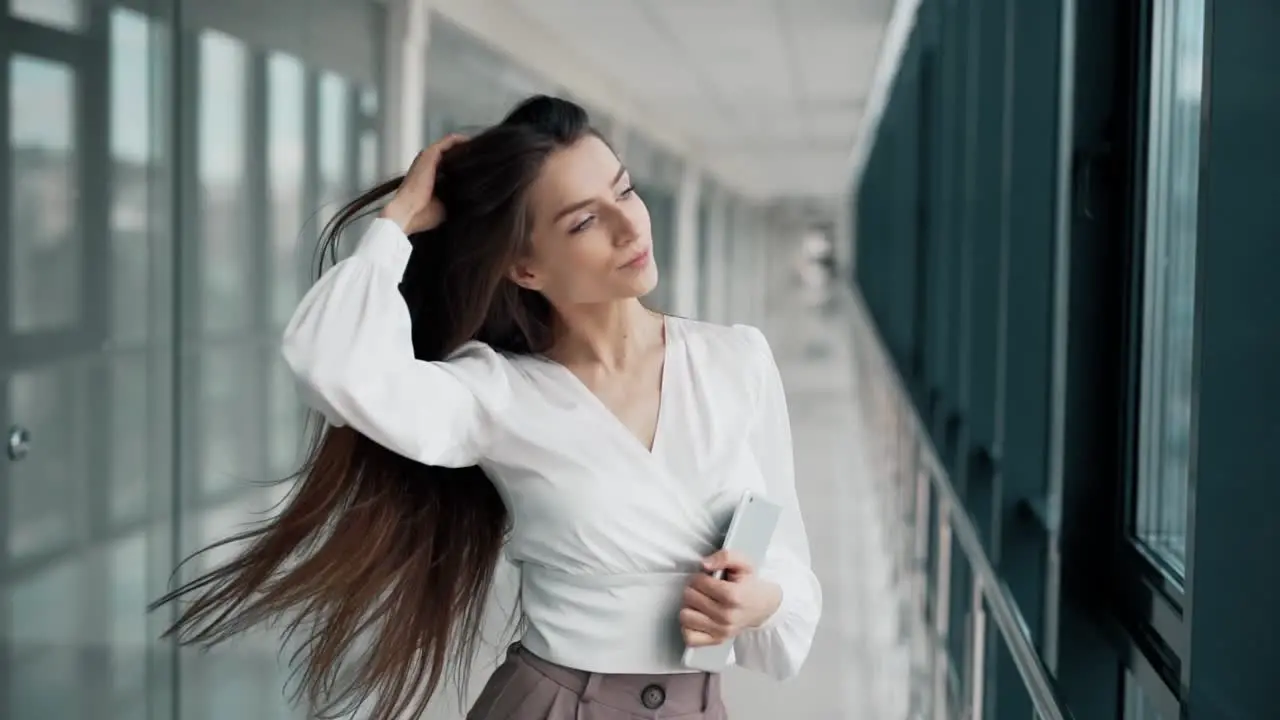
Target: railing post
{"points": [[976, 674], [920, 587], [937, 508], [942, 612]]}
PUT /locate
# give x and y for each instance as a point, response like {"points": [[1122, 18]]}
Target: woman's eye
{"points": [[583, 225], [628, 192]]}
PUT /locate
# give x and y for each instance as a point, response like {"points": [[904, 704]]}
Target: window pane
{"points": [[131, 157], [130, 437], [660, 202], [286, 150], [1169, 302], [45, 219], [333, 139], [45, 636], [228, 412], [1137, 706], [45, 488], [368, 159], [335, 188], [286, 417], [225, 241], [369, 102], [61, 14]]}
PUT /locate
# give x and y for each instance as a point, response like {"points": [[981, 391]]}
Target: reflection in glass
{"points": [[286, 416], [286, 152], [228, 410], [334, 167], [661, 204], [44, 488], [131, 157], [124, 561], [1169, 301], [705, 211], [45, 219], [368, 159], [60, 14], [1137, 706], [130, 438], [45, 634], [225, 241], [251, 664], [334, 117], [369, 102]]}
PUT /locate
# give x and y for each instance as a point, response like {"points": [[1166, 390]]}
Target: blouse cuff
{"points": [[385, 245], [779, 612]]}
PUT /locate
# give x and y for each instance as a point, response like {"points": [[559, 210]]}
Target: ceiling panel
{"points": [[772, 91], [618, 37], [833, 60], [756, 124], [827, 125], [835, 11]]}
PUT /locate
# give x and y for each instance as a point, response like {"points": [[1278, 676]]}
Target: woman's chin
{"points": [[635, 284], [646, 284]]}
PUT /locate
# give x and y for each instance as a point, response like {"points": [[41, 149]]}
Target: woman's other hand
{"points": [[415, 207], [716, 610]]}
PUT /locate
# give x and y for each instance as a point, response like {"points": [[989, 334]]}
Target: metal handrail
{"points": [[1008, 619]]}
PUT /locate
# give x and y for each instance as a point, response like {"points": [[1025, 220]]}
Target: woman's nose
{"points": [[626, 230]]}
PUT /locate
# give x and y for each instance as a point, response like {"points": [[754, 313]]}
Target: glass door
{"points": [[83, 361]]}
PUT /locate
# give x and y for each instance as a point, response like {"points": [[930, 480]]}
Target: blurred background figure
{"points": [[816, 265]]}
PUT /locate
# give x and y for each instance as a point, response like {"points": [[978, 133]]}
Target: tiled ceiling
{"points": [[769, 92]]}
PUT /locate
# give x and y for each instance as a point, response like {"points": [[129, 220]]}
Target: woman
{"points": [[490, 379]]}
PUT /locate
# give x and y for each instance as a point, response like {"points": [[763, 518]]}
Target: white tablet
{"points": [[749, 534]]}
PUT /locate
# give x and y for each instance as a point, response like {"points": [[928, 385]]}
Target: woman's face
{"points": [[591, 240]]}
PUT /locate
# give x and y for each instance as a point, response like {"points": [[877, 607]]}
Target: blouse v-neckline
{"points": [[611, 418]]}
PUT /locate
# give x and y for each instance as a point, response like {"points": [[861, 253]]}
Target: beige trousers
{"points": [[526, 687]]}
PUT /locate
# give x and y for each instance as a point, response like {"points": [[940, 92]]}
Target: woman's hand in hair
{"points": [[415, 207], [716, 610]]}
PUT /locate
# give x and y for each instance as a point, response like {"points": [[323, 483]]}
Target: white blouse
{"points": [[606, 532]]}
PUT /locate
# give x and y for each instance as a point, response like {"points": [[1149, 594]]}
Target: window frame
{"points": [[1152, 602]]}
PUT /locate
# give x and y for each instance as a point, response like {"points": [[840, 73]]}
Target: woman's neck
{"points": [[607, 335]]}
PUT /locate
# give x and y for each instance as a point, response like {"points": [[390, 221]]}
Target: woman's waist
{"points": [[605, 621], [627, 597], [588, 578]]}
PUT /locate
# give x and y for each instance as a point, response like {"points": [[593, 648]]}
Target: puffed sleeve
{"points": [[349, 344], [779, 646]]}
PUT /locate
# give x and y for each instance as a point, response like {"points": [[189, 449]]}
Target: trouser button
{"points": [[653, 696]]}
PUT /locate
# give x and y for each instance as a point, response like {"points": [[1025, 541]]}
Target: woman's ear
{"points": [[522, 274]]}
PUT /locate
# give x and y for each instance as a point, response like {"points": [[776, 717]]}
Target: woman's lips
{"points": [[638, 261]]}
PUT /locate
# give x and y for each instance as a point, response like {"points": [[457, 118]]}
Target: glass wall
{"points": [[160, 231], [278, 116], [86, 356], [1173, 169], [1065, 240]]}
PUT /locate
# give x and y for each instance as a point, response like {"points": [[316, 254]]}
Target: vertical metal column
{"points": [[686, 275], [405, 90]]}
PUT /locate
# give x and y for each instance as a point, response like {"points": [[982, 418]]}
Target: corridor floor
{"points": [[857, 668]]}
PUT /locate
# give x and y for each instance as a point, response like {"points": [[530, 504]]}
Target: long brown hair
{"points": [[370, 548]]}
